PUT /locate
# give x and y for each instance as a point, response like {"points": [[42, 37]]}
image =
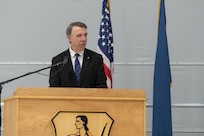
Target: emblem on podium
{"points": [[78, 123]]}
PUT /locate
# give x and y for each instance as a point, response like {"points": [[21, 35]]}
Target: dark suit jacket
{"points": [[92, 72]]}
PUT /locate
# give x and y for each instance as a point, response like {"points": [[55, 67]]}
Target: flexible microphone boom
{"points": [[29, 73]]}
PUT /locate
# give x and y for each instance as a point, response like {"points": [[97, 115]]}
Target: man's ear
{"points": [[69, 38]]}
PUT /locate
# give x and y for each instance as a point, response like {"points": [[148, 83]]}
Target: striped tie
{"points": [[77, 67]]}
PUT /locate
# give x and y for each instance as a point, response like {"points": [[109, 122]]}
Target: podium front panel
{"points": [[53, 111]]}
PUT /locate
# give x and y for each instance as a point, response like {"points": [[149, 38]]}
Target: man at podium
{"points": [[83, 67]]}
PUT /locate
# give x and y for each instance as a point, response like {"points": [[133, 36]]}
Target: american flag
{"points": [[105, 42]]}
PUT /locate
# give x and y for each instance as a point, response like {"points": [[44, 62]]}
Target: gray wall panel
{"points": [[32, 32]]}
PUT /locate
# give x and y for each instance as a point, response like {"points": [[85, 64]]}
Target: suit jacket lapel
{"points": [[86, 61]]}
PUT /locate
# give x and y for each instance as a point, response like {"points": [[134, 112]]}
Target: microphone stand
{"points": [[29, 73]]}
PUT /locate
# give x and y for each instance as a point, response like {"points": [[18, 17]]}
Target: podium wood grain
{"points": [[30, 110]]}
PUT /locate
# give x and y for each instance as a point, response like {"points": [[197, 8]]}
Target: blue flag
{"points": [[162, 120]]}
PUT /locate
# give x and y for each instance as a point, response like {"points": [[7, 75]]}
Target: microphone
{"points": [[65, 60], [62, 62]]}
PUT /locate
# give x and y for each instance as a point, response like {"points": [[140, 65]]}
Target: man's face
{"points": [[78, 38]]}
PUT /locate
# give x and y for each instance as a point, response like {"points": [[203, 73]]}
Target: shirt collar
{"points": [[72, 53]]}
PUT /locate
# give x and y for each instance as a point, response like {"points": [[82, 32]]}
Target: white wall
{"points": [[33, 31]]}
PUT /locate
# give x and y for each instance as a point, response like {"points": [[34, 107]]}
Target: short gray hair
{"points": [[71, 25]]}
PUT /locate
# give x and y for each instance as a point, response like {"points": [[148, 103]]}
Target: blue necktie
{"points": [[77, 67]]}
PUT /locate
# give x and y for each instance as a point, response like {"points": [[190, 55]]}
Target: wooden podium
{"points": [[52, 111]]}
